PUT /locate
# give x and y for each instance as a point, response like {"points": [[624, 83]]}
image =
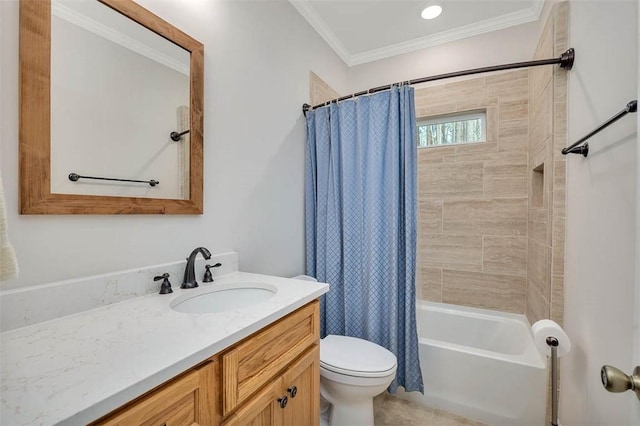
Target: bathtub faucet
{"points": [[189, 280]]}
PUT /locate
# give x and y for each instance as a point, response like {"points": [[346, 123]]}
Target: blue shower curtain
{"points": [[360, 209]]}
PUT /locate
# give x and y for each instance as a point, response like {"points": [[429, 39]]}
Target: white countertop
{"points": [[77, 368]]}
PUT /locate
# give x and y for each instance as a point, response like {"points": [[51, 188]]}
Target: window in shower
{"points": [[451, 129]]}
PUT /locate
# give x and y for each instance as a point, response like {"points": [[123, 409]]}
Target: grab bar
{"points": [[74, 177], [632, 106]]}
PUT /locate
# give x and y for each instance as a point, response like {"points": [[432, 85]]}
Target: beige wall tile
{"points": [[424, 111], [537, 268], [538, 231], [474, 104], [505, 255], [476, 148], [514, 110], [484, 189], [518, 143], [541, 119], [547, 136], [513, 128], [430, 216], [450, 180], [497, 156], [500, 216], [470, 85], [559, 174], [561, 26], [430, 281], [538, 156], [489, 291], [509, 90], [557, 299], [499, 77], [428, 159], [537, 306], [433, 154], [505, 179], [538, 214], [459, 252], [559, 202], [319, 90]]}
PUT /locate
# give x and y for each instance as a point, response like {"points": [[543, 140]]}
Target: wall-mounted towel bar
{"points": [[75, 177], [576, 148], [175, 136]]}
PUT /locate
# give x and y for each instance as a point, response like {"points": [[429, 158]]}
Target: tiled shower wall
{"points": [[473, 198], [491, 220], [319, 90], [547, 173]]}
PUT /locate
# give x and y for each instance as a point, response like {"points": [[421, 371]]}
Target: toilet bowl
{"points": [[352, 372]]}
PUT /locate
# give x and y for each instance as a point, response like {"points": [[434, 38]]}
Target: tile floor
{"points": [[393, 411]]}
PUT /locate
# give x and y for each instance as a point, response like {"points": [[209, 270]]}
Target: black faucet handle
{"points": [[208, 278], [165, 287]]}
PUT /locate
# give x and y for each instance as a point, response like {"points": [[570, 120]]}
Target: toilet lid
{"points": [[355, 357]]}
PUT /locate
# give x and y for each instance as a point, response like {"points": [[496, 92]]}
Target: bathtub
{"points": [[480, 364]]}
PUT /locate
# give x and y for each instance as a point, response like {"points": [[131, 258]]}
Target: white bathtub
{"points": [[480, 364]]}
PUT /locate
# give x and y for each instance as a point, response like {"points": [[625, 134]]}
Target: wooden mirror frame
{"points": [[35, 119]]}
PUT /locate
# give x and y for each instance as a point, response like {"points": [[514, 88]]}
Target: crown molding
{"points": [[309, 13], [76, 18], [488, 25]]}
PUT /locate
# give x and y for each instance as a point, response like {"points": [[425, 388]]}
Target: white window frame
{"points": [[457, 116]]}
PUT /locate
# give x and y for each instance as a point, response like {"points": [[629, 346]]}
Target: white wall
{"points": [[257, 61], [601, 212], [513, 44]]}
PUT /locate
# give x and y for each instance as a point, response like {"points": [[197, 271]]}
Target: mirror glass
{"points": [[118, 91]]}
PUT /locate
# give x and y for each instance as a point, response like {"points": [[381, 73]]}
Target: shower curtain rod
{"points": [[565, 61]]}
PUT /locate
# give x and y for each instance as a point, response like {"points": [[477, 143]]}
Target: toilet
{"points": [[352, 372]]}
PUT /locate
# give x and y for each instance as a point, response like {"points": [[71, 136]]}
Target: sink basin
{"points": [[223, 298]]}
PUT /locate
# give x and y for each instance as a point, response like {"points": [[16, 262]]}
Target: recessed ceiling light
{"points": [[431, 12]]}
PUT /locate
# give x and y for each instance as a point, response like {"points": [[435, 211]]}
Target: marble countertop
{"points": [[77, 368]]}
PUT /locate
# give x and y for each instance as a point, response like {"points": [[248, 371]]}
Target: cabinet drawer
{"points": [[182, 401], [175, 404], [255, 361]]}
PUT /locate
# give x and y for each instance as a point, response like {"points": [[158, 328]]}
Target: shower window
{"points": [[450, 129]]}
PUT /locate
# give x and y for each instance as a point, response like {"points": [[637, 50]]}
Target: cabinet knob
{"points": [[293, 391], [283, 401]]}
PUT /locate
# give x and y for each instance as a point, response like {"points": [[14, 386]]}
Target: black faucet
{"points": [[189, 280]]}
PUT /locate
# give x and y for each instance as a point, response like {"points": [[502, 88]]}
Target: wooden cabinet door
{"points": [[301, 384], [262, 410], [257, 360], [175, 404], [186, 401]]}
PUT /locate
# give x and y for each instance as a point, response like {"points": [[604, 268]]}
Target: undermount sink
{"points": [[221, 299]]}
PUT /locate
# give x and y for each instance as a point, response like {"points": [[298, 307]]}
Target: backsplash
{"points": [[31, 305]]}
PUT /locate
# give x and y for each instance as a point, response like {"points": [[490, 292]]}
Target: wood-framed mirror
{"points": [[61, 172]]}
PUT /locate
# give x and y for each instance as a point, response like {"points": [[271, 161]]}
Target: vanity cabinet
{"points": [[185, 400], [271, 378], [292, 399]]}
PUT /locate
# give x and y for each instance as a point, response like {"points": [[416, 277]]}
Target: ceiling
{"points": [[363, 31]]}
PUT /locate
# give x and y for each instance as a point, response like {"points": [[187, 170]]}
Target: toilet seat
{"points": [[351, 356]]}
